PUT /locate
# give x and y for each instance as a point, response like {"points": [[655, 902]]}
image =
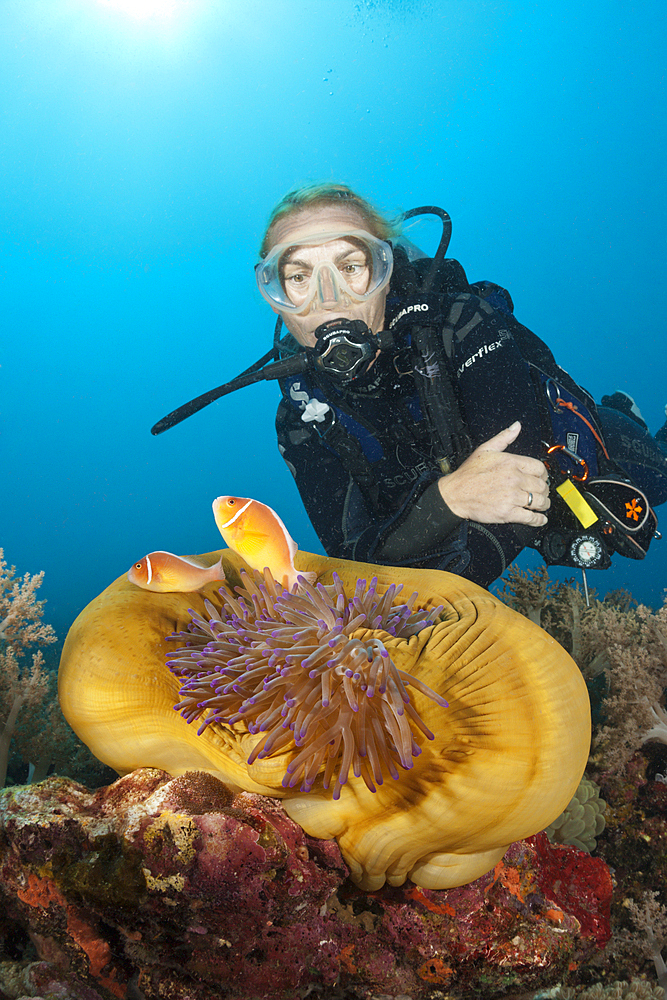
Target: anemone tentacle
{"points": [[288, 665]]}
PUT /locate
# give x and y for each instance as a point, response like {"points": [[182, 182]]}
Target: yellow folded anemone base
{"points": [[508, 752]]}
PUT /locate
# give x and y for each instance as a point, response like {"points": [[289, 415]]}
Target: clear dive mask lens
{"points": [[332, 270]]}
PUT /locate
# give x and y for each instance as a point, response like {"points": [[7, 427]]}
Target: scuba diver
{"points": [[423, 424]]}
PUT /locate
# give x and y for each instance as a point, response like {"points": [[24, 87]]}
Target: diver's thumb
{"points": [[503, 439]]}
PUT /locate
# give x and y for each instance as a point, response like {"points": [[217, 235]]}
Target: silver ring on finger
{"points": [[530, 499]]}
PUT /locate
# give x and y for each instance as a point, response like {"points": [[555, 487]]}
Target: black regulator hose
{"points": [[442, 245], [281, 369]]}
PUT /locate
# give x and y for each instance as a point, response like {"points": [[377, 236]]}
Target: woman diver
{"points": [[423, 424], [378, 481]]}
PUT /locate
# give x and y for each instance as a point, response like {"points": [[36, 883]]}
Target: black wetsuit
{"points": [[367, 470], [385, 506]]}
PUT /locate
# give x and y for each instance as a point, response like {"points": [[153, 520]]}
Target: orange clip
{"points": [[577, 458]]}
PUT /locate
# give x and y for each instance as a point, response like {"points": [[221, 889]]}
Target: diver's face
{"points": [[339, 257]]}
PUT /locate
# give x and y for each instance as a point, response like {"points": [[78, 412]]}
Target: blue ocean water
{"points": [[144, 143]]}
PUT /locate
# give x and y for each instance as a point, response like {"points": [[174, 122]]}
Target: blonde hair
{"points": [[317, 195]]}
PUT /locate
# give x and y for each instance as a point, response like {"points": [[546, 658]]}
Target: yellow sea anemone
{"points": [[506, 756]]}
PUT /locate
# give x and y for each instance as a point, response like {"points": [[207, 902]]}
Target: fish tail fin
{"points": [[218, 566], [309, 576]]}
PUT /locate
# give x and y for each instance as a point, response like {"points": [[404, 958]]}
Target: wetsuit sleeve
{"points": [[426, 525]]}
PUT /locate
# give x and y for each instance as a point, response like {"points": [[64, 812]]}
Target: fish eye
{"points": [[137, 565], [230, 503]]}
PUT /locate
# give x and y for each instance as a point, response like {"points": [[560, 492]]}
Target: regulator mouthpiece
{"points": [[345, 349]]}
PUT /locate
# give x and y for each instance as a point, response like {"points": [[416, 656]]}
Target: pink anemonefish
{"points": [[165, 573], [257, 534]]}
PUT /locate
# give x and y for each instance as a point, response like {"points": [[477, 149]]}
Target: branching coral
{"points": [[637, 989], [560, 609], [291, 666], [21, 613], [638, 675], [650, 919], [646, 937], [628, 643], [21, 629], [529, 592]]}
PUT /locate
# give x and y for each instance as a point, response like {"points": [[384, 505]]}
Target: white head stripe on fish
{"points": [[238, 514], [150, 570]]}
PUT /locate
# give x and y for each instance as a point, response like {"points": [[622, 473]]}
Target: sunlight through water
{"points": [[142, 8]]}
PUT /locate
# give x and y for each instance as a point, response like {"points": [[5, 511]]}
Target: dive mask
{"points": [[334, 270]]}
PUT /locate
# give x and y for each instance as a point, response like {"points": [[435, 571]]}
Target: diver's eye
{"points": [[299, 278], [354, 265]]}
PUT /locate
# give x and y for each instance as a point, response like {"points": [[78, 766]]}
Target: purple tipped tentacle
{"points": [[243, 662]]}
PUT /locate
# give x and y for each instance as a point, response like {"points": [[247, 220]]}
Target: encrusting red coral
{"points": [[174, 888]]}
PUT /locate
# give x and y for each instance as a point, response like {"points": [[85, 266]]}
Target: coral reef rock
{"points": [[156, 888]]}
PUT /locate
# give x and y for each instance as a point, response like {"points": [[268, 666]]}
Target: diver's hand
{"points": [[494, 487]]}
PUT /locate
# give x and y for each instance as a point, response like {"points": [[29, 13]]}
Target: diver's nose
{"points": [[328, 292]]}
